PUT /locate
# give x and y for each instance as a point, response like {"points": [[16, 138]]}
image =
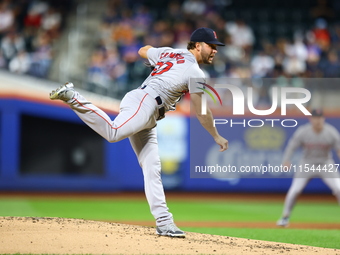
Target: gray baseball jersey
{"points": [[317, 147], [138, 114], [172, 73], [317, 150]]}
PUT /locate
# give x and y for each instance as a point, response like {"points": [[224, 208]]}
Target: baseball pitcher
{"points": [[141, 108]]}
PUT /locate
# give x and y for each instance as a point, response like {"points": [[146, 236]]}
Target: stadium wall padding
{"points": [[45, 147]]}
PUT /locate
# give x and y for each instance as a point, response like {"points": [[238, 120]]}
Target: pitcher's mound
{"points": [[75, 236]]}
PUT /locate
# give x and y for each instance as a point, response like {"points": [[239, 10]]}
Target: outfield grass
{"points": [[111, 209], [204, 210], [253, 211]]}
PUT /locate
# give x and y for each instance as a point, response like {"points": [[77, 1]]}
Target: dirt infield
{"points": [[221, 196], [172, 195], [73, 236]]}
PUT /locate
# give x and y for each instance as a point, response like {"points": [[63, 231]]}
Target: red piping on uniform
{"points": [[140, 104]]}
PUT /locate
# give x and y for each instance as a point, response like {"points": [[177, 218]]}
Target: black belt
{"points": [[161, 109]]}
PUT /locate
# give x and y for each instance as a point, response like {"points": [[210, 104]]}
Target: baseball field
{"points": [[120, 223]]}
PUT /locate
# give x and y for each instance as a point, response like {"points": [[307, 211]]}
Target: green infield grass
{"points": [[311, 237], [194, 211]]}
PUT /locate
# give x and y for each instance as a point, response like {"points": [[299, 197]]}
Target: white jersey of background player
{"points": [[317, 140], [142, 107]]}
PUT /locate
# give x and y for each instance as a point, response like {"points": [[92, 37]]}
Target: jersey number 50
{"points": [[161, 67]]}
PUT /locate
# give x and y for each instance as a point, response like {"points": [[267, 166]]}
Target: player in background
{"points": [[141, 108], [317, 139]]}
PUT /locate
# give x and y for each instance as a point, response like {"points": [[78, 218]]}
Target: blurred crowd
{"points": [[115, 66], [28, 29]]}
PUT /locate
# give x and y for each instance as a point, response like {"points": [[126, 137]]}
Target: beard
{"points": [[206, 57]]}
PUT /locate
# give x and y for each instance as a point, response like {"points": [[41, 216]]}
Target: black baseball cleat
{"points": [[64, 92], [170, 230]]}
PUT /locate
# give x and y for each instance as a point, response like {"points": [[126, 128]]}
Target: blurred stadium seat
{"points": [[86, 48]]}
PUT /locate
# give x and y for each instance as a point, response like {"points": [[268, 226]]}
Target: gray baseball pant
{"points": [[301, 179], [137, 121]]}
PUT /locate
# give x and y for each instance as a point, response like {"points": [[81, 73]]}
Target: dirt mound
{"points": [[75, 236]]}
